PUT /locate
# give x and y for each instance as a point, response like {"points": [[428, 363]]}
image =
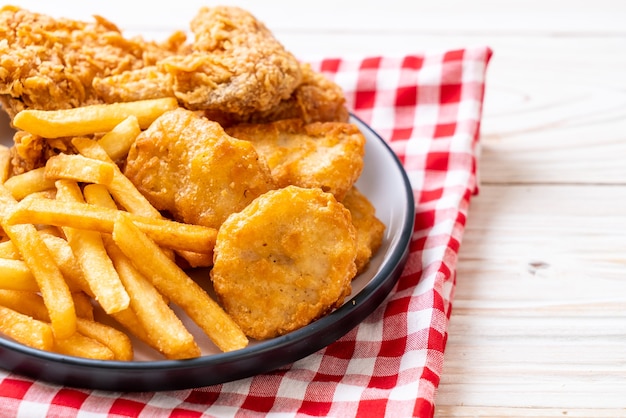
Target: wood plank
{"points": [[499, 412], [538, 316]]}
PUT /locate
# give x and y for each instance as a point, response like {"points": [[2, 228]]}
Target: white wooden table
{"points": [[539, 317]]}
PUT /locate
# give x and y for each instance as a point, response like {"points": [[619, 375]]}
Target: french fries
{"points": [[118, 141], [35, 253], [114, 340], [28, 183], [83, 245], [25, 329], [164, 331], [170, 234], [15, 275], [122, 189], [79, 345], [79, 168], [92, 119], [177, 286], [5, 163], [89, 250]]}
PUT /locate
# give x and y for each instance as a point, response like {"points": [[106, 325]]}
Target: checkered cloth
{"points": [[428, 108]]}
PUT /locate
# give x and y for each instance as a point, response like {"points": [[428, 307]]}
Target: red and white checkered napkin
{"points": [[428, 108]]}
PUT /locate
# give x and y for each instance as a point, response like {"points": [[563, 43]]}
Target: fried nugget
{"points": [[328, 155], [284, 261], [189, 167], [369, 228]]}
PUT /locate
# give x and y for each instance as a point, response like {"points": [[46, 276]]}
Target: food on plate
{"points": [[25, 329], [135, 162], [328, 155], [50, 63], [234, 64], [87, 246], [284, 261], [177, 286], [188, 166], [369, 228], [165, 232], [52, 286], [87, 120]]}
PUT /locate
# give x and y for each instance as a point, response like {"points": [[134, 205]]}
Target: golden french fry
{"points": [[91, 255], [5, 163], [32, 181], [26, 330], [25, 302], [79, 345], [8, 251], [122, 189], [172, 282], [79, 168], [170, 234], [91, 119], [164, 329], [66, 260], [118, 141], [55, 291], [130, 322], [97, 194], [115, 340], [15, 275]]}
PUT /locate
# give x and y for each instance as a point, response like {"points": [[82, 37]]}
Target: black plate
{"points": [[387, 186]]}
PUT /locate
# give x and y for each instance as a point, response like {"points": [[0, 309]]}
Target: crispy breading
{"points": [[49, 63], [284, 261], [188, 166], [315, 99], [327, 155], [370, 230], [235, 65]]}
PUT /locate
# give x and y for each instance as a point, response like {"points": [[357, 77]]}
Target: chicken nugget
{"points": [[328, 155], [189, 167], [369, 228], [284, 261]]}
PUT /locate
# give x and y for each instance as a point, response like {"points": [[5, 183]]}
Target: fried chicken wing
{"points": [[235, 66], [369, 228], [188, 166], [325, 155], [284, 261]]}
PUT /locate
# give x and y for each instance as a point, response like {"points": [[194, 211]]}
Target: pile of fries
{"points": [[86, 261]]}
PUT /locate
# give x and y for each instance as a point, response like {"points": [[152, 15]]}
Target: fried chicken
{"points": [[315, 99], [48, 63], [284, 261], [328, 155], [235, 66], [189, 167]]}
